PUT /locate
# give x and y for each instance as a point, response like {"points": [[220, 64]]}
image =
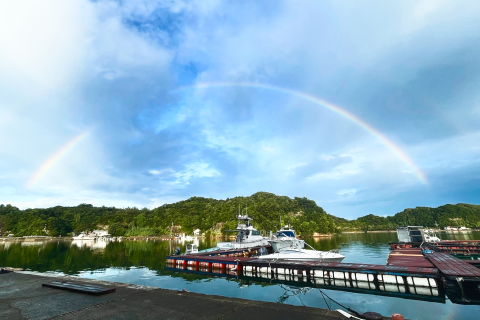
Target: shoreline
{"points": [[168, 238]]}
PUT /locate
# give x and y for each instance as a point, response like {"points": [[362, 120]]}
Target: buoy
{"points": [[397, 316]]}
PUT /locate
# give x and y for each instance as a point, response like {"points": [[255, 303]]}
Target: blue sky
{"points": [[118, 103]]}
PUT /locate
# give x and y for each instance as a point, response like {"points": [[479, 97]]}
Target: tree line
{"points": [[214, 216]]}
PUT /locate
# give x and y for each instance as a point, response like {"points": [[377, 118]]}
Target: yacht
{"points": [[247, 236], [285, 238], [305, 255]]}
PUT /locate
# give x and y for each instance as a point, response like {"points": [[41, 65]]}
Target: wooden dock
{"points": [[413, 272], [451, 266], [412, 257], [409, 282]]}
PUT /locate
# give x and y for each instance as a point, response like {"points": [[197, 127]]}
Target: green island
{"points": [[213, 216]]}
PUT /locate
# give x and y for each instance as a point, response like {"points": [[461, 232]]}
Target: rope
{"points": [[341, 305]]}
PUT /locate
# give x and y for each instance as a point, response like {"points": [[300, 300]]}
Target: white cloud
{"points": [[195, 170]]}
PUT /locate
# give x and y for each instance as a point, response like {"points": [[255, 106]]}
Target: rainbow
{"points": [[330, 106], [47, 165]]}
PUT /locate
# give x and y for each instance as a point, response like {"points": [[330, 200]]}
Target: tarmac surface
{"points": [[23, 297]]}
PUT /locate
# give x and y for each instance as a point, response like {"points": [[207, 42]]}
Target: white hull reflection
{"points": [[305, 255]]}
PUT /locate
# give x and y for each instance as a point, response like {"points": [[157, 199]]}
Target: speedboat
{"points": [[286, 239], [247, 236], [305, 255]]}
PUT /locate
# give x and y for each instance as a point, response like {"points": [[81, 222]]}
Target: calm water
{"points": [[143, 262]]}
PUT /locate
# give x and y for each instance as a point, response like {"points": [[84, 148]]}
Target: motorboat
{"points": [[410, 234], [83, 236], [285, 238], [305, 255], [416, 234], [247, 236]]}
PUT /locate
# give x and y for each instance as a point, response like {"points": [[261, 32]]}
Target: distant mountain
{"points": [[447, 215], [213, 216]]}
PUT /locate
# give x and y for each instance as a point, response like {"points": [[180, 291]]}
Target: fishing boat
{"points": [[286, 238], [305, 255], [247, 236]]}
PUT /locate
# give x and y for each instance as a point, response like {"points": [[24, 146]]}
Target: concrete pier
{"points": [[23, 297]]}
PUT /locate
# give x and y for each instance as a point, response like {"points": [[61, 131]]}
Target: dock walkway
{"points": [[451, 266], [410, 257]]}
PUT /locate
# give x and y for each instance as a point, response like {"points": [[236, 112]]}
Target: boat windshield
{"points": [[281, 234]]}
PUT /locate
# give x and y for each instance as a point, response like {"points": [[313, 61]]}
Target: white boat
{"points": [[450, 228], [416, 234], [305, 255], [430, 237], [247, 236], [83, 236], [286, 239]]}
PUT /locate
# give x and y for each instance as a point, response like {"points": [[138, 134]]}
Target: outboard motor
{"points": [[262, 251], [177, 251]]}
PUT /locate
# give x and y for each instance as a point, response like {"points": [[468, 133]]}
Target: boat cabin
{"points": [[191, 248], [410, 234], [286, 231]]}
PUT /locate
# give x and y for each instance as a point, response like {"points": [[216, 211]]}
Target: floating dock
{"points": [[412, 282], [460, 278], [414, 273]]}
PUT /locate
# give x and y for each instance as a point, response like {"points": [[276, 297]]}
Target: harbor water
{"points": [[143, 263]]}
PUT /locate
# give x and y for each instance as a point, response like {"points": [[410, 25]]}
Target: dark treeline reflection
{"points": [[72, 257], [68, 258]]}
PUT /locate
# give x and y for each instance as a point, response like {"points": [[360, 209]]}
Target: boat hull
{"points": [[278, 245], [305, 255], [241, 245], [332, 259]]}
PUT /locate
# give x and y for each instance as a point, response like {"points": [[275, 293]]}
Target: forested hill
{"points": [[206, 214], [213, 216], [461, 214]]}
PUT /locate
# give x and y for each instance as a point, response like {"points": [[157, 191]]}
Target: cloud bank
{"points": [[135, 75]]}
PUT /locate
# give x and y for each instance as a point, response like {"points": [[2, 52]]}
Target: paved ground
{"points": [[23, 297]]}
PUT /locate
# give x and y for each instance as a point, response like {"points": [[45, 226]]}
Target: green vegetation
{"points": [[212, 216], [461, 214], [206, 214]]}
